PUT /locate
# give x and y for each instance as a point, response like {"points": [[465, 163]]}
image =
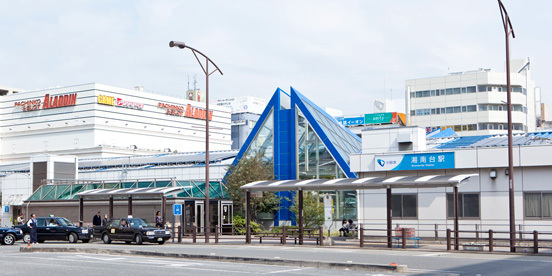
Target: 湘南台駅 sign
{"points": [[415, 161]]}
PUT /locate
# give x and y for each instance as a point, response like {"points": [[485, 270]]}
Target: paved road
{"points": [[418, 262], [90, 264]]}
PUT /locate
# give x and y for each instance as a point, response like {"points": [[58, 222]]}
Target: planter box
{"points": [[473, 247], [525, 249]]}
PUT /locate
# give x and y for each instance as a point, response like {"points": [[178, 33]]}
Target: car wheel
{"points": [[161, 242], [9, 239], [73, 238], [138, 239], [106, 238], [85, 241], [27, 237]]}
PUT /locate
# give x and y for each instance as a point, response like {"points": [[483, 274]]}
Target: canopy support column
{"points": [[301, 229], [248, 217], [81, 211], [163, 208], [456, 245], [389, 219], [130, 206], [110, 207]]}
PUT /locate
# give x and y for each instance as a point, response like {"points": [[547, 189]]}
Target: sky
{"points": [[340, 54]]}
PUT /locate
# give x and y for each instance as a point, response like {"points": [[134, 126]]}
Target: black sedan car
{"points": [[131, 230], [57, 228], [8, 236]]}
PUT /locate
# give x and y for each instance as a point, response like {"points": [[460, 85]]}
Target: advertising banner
{"points": [[415, 161], [380, 118], [353, 121]]}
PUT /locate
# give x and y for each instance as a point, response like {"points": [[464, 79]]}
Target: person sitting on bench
{"points": [[344, 228]]}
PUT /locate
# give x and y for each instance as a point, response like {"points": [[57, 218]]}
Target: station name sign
{"points": [[108, 100], [49, 102], [185, 111], [415, 161]]}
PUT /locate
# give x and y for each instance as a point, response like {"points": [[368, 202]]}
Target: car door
{"points": [[126, 232], [113, 228], [43, 232], [60, 228]]}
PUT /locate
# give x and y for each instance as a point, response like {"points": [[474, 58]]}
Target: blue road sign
{"points": [[177, 209], [6, 209]]}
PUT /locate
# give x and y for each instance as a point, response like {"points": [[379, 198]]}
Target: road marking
{"points": [[287, 270], [97, 258], [433, 254]]}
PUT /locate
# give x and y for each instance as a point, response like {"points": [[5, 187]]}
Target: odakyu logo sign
{"points": [[416, 161]]}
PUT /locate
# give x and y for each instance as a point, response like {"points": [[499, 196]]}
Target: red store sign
{"points": [[49, 102], [185, 111]]}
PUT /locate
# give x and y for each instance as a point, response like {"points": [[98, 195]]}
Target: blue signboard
{"points": [[177, 209], [415, 161], [6, 209], [352, 121]]}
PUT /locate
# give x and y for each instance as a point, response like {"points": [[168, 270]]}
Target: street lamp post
{"points": [[508, 29], [205, 69]]}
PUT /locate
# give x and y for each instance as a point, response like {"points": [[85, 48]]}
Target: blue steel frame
{"points": [[285, 148]]}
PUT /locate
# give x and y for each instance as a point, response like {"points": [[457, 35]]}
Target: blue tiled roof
{"points": [[499, 140]]}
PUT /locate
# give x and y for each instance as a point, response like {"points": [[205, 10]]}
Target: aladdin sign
{"points": [[108, 100], [49, 102], [185, 111]]}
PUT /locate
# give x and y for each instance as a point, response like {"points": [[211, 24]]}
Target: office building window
{"points": [[468, 205], [538, 205], [404, 206]]}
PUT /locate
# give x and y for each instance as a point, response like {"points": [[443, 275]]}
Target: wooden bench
{"points": [[270, 236]]}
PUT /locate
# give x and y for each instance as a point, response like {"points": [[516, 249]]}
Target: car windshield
{"points": [[139, 223], [66, 222]]}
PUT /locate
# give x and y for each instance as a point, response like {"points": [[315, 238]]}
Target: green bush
{"points": [[239, 225]]}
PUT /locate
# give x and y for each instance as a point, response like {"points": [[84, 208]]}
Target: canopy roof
{"points": [[428, 181], [149, 192]]}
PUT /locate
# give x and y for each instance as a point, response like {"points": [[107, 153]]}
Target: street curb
{"points": [[281, 262]]}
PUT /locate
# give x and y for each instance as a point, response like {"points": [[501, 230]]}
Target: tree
{"points": [[313, 209], [250, 169]]}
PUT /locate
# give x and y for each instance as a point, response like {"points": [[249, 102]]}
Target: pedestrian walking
{"points": [[105, 220], [32, 224]]}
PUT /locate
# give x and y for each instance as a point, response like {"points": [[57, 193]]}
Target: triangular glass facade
{"points": [[304, 142]]}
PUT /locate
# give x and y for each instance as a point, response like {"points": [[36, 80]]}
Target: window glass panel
{"points": [[547, 204], [532, 205], [471, 205], [396, 202], [409, 206], [456, 90]]}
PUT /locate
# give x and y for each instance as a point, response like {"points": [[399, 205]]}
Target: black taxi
{"points": [[57, 228], [131, 230]]}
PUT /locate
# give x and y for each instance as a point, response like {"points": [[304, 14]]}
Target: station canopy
{"points": [[62, 190], [428, 181], [135, 192]]}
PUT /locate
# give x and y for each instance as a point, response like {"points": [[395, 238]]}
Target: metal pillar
{"points": [[110, 207], [301, 229], [389, 219], [508, 29], [130, 206], [163, 212], [456, 240], [81, 211], [248, 217]]}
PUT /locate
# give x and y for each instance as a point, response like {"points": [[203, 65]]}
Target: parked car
{"points": [[57, 228], [131, 230], [8, 236]]}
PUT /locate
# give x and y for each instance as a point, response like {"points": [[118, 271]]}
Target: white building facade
{"points": [[95, 120], [474, 102], [483, 200]]}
